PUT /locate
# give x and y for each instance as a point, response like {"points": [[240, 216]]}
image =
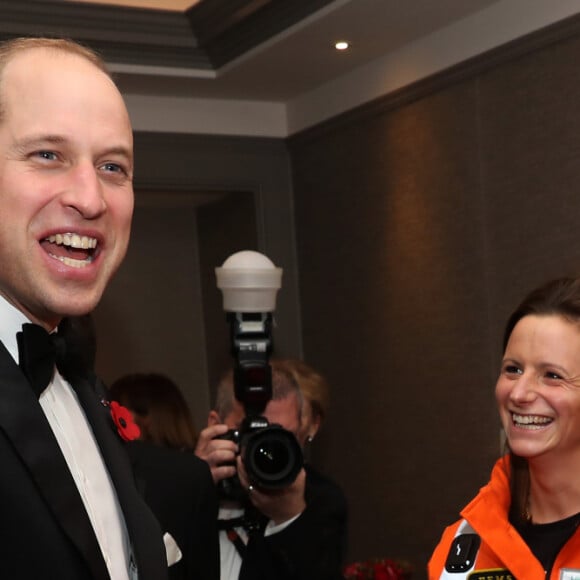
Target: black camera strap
{"points": [[229, 526], [234, 537], [249, 521]]}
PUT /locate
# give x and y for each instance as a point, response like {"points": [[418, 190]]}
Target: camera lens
{"points": [[273, 457]]}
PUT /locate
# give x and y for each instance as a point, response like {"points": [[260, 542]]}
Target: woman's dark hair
{"points": [[159, 407], [559, 297]]}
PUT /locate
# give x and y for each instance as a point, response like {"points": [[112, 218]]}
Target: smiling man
{"points": [[69, 507]]}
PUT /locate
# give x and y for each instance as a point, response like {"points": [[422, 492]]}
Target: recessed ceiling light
{"points": [[341, 45]]}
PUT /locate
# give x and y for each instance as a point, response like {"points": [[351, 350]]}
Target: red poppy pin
{"points": [[126, 427]]}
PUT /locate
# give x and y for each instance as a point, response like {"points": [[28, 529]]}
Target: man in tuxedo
{"points": [[294, 533], [70, 510]]}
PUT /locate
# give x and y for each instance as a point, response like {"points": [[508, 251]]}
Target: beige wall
{"points": [[152, 315], [198, 200]]}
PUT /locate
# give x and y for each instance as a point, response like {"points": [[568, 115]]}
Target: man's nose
{"points": [[85, 191]]}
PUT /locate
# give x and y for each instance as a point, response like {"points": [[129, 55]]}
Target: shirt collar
{"points": [[12, 321]]}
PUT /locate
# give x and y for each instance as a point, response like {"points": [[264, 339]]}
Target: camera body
{"points": [[272, 456]]}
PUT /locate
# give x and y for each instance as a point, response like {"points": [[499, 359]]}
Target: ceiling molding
{"points": [[227, 29], [121, 35], [207, 36]]}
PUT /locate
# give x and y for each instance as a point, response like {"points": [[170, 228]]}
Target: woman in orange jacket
{"points": [[524, 523]]}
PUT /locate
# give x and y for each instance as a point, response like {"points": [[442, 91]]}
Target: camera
{"points": [[272, 455]]}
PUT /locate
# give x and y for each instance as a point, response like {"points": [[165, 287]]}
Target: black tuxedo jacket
{"points": [[179, 489], [45, 531], [312, 547]]}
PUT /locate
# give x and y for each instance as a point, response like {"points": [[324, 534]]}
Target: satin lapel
{"points": [[23, 421], [143, 529]]}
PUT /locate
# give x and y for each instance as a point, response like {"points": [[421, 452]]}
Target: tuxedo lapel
{"points": [[23, 421], [144, 532]]}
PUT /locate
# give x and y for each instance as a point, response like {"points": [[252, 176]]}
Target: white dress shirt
{"points": [[81, 452], [230, 559]]}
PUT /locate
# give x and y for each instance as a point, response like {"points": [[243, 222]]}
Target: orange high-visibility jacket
{"points": [[502, 554]]}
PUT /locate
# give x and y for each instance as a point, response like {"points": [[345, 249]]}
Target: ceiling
{"points": [[260, 50], [178, 5]]}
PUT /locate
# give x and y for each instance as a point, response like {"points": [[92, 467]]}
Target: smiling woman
{"points": [[524, 523]]}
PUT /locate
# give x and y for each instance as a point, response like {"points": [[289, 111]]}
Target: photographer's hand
{"points": [[278, 505], [218, 453]]}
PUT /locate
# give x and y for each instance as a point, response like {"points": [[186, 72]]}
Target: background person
{"points": [[66, 200], [524, 522], [294, 533], [159, 409], [315, 396], [175, 483]]}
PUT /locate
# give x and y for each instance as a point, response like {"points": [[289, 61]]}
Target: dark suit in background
{"points": [[178, 487], [312, 547]]}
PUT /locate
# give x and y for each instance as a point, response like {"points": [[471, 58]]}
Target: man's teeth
{"points": [[74, 241], [530, 421], [72, 262]]}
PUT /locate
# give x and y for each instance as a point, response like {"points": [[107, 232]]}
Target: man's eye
{"points": [[553, 376], [113, 168], [48, 155]]}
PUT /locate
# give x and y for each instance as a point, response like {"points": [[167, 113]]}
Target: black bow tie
{"points": [[38, 353]]}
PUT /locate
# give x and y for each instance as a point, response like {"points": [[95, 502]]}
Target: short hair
{"points": [[283, 385], [159, 407], [11, 48], [313, 384]]}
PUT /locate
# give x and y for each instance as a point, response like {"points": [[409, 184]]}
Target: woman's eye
{"points": [[512, 370], [553, 376]]}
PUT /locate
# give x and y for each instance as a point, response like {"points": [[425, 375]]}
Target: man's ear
{"points": [[315, 426], [213, 419]]}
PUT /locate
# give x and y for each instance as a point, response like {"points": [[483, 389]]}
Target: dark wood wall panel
{"points": [[391, 313], [418, 228], [530, 143]]}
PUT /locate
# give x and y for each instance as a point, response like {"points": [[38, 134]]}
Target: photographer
{"points": [[294, 533]]}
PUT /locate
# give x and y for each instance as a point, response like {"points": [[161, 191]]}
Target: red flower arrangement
{"points": [[126, 426], [378, 569]]}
